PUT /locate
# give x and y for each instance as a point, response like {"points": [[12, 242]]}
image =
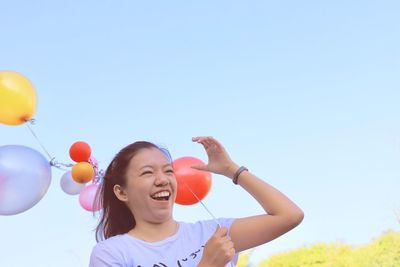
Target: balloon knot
{"points": [[99, 177], [31, 121], [53, 162]]}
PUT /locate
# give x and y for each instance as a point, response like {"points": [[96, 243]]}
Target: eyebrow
{"points": [[151, 166]]}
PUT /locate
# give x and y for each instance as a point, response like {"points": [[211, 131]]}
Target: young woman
{"points": [[137, 227]]}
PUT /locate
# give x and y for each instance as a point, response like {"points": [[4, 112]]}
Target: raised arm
{"points": [[281, 214]]}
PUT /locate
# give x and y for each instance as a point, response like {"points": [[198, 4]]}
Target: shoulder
{"points": [[109, 252], [223, 222], [207, 226], [111, 242]]}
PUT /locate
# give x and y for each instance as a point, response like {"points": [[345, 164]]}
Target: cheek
{"points": [[136, 189], [174, 183]]}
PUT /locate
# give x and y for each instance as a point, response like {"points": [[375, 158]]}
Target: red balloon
{"points": [[80, 151], [190, 182]]}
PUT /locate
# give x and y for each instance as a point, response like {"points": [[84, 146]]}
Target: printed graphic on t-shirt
{"points": [[186, 261]]}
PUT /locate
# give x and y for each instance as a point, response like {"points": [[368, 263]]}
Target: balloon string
{"points": [[99, 175], [60, 165], [201, 202], [53, 161], [37, 139], [209, 212]]}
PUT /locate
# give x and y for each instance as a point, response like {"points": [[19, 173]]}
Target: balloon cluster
{"points": [[85, 170], [25, 174]]}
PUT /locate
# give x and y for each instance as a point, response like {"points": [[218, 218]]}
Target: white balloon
{"points": [[25, 176], [69, 186]]}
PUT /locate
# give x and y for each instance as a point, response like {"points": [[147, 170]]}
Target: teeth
{"points": [[162, 194]]}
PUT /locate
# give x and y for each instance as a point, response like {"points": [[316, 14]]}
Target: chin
{"points": [[160, 219]]}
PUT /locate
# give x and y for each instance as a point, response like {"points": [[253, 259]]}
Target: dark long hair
{"points": [[115, 217]]}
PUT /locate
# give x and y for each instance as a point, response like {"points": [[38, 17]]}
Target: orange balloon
{"points": [[82, 172], [80, 151], [192, 185]]}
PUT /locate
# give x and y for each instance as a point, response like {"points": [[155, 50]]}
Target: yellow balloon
{"points": [[17, 98]]}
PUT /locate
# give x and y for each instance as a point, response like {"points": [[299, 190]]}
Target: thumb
{"points": [[202, 167], [221, 231]]}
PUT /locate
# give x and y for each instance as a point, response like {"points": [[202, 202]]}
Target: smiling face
{"points": [[150, 189]]}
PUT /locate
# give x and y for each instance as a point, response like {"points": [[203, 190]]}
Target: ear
{"points": [[120, 193]]}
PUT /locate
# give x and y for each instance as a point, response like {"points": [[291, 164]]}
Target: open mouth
{"points": [[161, 196]]}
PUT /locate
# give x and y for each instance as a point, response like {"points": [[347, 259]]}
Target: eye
{"points": [[146, 173], [169, 171]]}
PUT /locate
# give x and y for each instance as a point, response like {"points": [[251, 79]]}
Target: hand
{"points": [[218, 250], [219, 161]]}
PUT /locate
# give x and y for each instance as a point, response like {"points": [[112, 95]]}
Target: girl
{"points": [[137, 227]]}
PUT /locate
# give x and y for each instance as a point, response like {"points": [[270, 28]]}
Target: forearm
{"points": [[281, 215], [271, 199]]}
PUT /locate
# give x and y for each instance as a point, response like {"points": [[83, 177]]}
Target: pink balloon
{"points": [[87, 196]]}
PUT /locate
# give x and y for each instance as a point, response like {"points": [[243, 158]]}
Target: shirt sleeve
{"points": [[102, 256], [224, 222], [227, 222]]}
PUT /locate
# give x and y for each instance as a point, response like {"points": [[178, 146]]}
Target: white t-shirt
{"points": [[183, 249]]}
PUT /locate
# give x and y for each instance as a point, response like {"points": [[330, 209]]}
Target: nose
{"points": [[161, 179]]}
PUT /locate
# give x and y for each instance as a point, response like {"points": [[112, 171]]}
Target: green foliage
{"points": [[243, 260], [382, 252]]}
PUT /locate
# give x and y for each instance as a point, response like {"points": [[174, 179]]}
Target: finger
{"points": [[206, 143], [232, 252], [217, 229], [210, 142], [195, 138], [198, 138], [221, 231], [200, 167], [216, 142], [226, 240], [229, 244], [229, 254], [201, 138]]}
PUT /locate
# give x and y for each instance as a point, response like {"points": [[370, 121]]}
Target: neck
{"points": [[154, 232]]}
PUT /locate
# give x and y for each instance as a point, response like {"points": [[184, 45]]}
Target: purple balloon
{"points": [[25, 176]]}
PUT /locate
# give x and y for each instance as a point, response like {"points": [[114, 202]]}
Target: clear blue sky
{"points": [[306, 94]]}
